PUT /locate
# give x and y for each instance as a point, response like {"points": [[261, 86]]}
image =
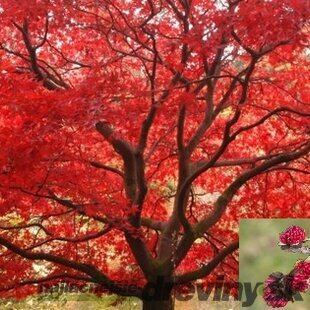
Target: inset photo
{"points": [[274, 268]]}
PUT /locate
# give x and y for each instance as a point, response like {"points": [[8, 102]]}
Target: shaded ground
{"points": [[85, 302]]}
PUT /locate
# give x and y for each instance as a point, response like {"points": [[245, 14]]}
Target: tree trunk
{"points": [[158, 304], [157, 295]]}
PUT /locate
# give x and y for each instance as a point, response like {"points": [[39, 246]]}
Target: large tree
{"points": [[135, 134]]}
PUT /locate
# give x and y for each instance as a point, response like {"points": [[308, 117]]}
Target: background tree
{"points": [[139, 132]]}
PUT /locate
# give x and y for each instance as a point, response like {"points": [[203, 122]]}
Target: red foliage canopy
{"points": [[135, 134]]}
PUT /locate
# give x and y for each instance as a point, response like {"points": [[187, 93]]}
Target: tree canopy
{"points": [[135, 134]]}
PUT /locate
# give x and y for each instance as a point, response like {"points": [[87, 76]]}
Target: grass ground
{"points": [[90, 302]]}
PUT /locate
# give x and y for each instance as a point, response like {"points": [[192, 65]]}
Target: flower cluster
{"points": [[303, 267], [293, 235], [279, 288], [300, 283], [277, 291]]}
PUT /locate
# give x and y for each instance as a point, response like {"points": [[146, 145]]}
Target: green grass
{"points": [[72, 302]]}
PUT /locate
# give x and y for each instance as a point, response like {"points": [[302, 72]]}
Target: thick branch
{"points": [[105, 167], [234, 162], [153, 224], [49, 81], [190, 179], [46, 279], [127, 153], [93, 272], [231, 190], [208, 268]]}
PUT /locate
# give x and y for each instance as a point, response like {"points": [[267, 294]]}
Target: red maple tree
{"points": [[140, 132]]}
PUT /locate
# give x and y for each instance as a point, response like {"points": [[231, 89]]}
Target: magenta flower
{"points": [[278, 291], [301, 276], [300, 282], [293, 235], [274, 300], [303, 267]]}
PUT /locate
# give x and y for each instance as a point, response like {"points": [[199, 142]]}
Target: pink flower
{"points": [[299, 283], [293, 235], [303, 267], [301, 276], [278, 292], [274, 300]]}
